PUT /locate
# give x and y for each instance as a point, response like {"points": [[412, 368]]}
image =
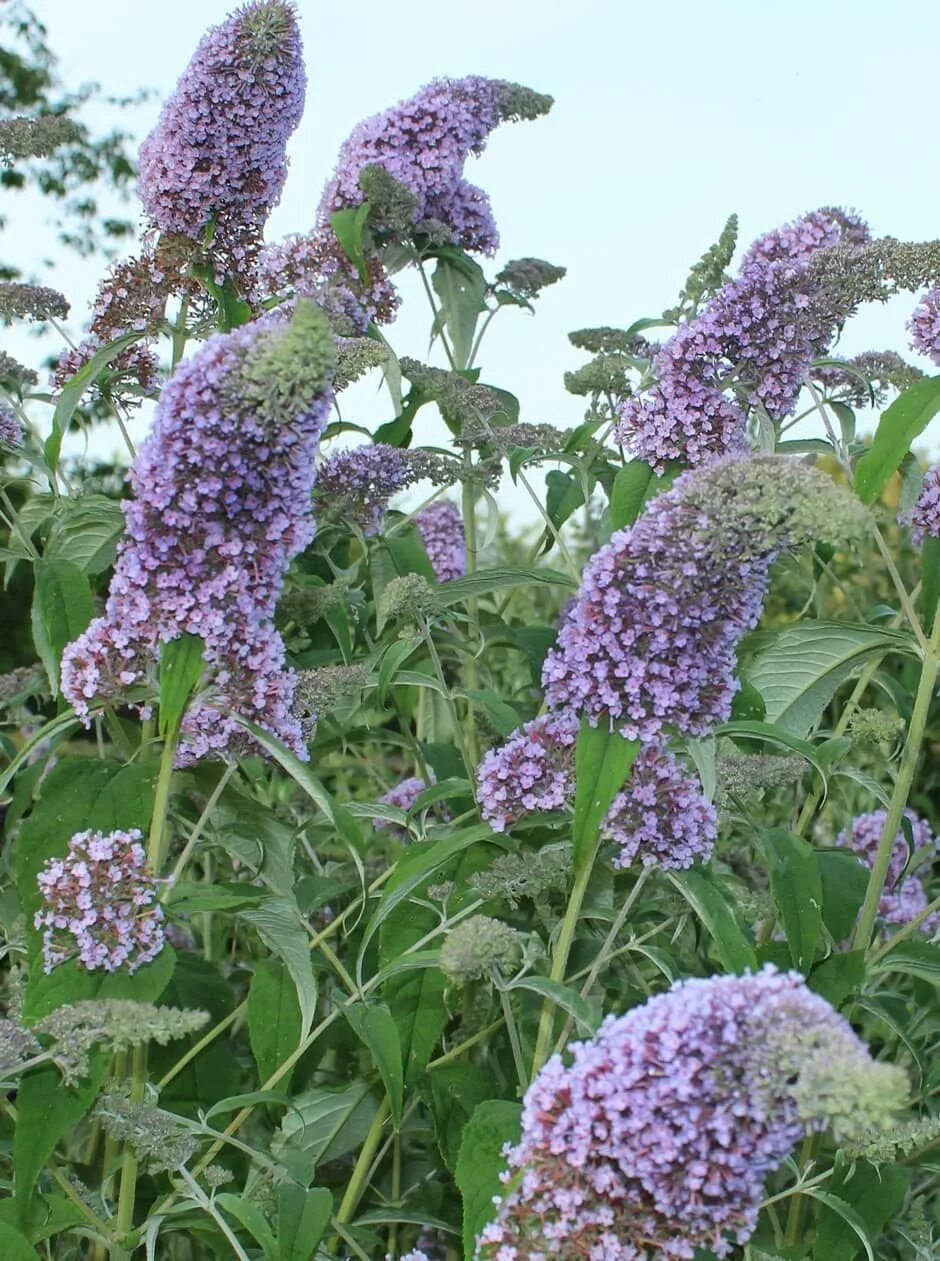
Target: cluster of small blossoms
{"points": [[100, 904], [441, 528], [924, 517], [925, 326], [36, 137], [761, 331], [656, 1138], [904, 897], [651, 639], [216, 161], [660, 817], [315, 266], [356, 485], [12, 430], [423, 144], [222, 486]]}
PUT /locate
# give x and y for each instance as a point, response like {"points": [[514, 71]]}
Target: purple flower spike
{"points": [[925, 326], [222, 492], [904, 897], [100, 904], [441, 528], [656, 1137], [661, 817], [761, 330], [216, 158]]}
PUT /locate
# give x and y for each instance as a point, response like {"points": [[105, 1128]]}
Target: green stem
{"points": [[511, 1029], [902, 787], [156, 844], [797, 1211], [438, 323], [907, 930], [473, 612], [124, 1222], [179, 334], [560, 957], [360, 1174]]}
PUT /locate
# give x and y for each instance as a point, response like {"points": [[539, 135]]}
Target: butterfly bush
{"points": [[101, 904], [924, 516], [222, 488], [761, 330], [925, 326], [655, 1136], [216, 159], [441, 528], [650, 642], [423, 143], [659, 817], [904, 896], [12, 431]]}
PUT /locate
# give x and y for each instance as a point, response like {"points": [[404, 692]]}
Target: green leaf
{"points": [[46, 1110], [839, 977], [503, 717], [86, 533], [796, 885], [844, 882], [461, 287], [62, 609], [480, 1163], [274, 1018], [189, 897], [486, 581], [564, 495], [873, 1194], [631, 487], [798, 669], [15, 1246], [324, 1124], [181, 665], [562, 996], [302, 1217], [930, 576], [374, 1025], [453, 1091], [253, 1220], [279, 924], [72, 391], [916, 958], [711, 904], [906, 418], [603, 759], [348, 226], [393, 659]]}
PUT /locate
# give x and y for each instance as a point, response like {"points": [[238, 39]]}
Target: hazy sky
{"points": [[667, 118]]}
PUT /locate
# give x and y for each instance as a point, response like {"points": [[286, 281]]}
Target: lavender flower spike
{"points": [[217, 155], [924, 326], [441, 528], [904, 896], [651, 639], [222, 492], [924, 517], [423, 144], [656, 1137], [100, 904]]}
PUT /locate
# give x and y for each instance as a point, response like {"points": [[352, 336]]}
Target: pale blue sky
{"points": [[667, 118]]}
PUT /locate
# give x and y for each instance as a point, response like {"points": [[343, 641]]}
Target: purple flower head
{"points": [[423, 144], [651, 639], [661, 817], [12, 431], [531, 773], [903, 896], [441, 528], [315, 266], [217, 155], [403, 795], [656, 1137], [222, 491], [100, 904], [761, 331], [924, 517], [925, 326], [358, 484]]}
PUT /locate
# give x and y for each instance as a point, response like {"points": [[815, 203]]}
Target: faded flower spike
{"points": [[904, 896], [441, 528], [31, 302], [476, 946], [215, 163], [655, 1137], [222, 492], [100, 904], [36, 137], [423, 144], [651, 639]]}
